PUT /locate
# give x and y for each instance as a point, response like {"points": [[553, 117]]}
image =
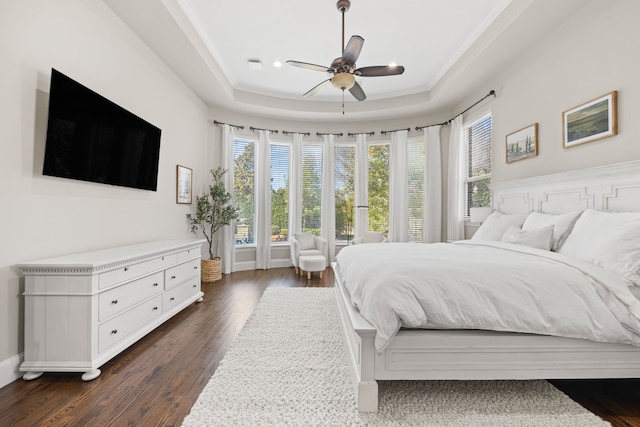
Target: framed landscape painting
{"points": [[590, 121], [183, 185], [522, 143]]}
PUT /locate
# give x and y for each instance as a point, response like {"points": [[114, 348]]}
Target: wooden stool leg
{"points": [[308, 275], [321, 274]]}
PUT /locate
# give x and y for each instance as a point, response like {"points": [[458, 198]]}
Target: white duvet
{"points": [[486, 285]]}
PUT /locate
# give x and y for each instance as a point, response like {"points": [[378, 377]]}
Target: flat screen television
{"points": [[90, 138]]}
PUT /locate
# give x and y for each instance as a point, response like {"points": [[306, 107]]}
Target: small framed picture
{"points": [[522, 143], [590, 121], [183, 185]]}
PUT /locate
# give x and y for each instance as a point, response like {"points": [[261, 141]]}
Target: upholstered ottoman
{"points": [[312, 263]]}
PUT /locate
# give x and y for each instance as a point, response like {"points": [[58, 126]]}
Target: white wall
{"points": [[591, 54], [44, 216]]}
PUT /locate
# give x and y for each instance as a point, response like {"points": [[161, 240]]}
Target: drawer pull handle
{"points": [[171, 299], [195, 286], [173, 277], [115, 331], [155, 284], [126, 269], [163, 258], [115, 301], [195, 267], [155, 308]]}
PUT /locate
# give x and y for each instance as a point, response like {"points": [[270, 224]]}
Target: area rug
{"points": [[288, 367]]}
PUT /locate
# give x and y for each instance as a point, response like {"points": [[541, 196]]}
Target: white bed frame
{"points": [[476, 355]]}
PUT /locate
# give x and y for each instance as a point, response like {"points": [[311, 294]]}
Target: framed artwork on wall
{"points": [[590, 121], [522, 143], [183, 185]]}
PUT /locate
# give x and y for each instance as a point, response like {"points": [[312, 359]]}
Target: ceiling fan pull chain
{"points": [[343, 102]]}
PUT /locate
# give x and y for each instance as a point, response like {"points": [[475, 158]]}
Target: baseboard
{"points": [[251, 265], [9, 369]]}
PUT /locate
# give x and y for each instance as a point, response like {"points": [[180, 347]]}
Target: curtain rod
{"points": [[384, 132], [492, 92], [215, 122], [361, 133], [284, 132], [255, 129], [329, 133]]}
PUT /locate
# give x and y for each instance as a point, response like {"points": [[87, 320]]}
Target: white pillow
{"points": [[372, 237], [305, 241], [610, 240], [496, 224], [561, 223], [540, 238]]}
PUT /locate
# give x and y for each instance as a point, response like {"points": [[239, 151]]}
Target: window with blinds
{"points": [[345, 161], [311, 188], [477, 143], [279, 159], [244, 190], [378, 188], [416, 162]]}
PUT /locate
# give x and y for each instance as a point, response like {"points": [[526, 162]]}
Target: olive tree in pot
{"points": [[213, 211]]}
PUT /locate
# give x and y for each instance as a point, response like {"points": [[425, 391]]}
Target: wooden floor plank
{"points": [[156, 381]]}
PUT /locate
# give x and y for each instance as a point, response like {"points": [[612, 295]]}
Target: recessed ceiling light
{"points": [[277, 64], [255, 64]]}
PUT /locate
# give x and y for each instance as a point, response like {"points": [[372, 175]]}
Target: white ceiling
{"points": [[449, 49], [426, 36]]}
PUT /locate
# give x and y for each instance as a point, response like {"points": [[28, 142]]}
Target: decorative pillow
{"points": [[610, 240], [305, 241], [562, 224], [372, 237], [496, 224], [540, 238]]}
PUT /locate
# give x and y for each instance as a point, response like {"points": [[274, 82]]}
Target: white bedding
{"points": [[486, 285]]}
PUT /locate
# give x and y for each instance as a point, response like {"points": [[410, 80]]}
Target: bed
{"points": [[434, 351]]}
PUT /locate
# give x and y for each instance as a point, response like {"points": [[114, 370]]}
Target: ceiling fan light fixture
{"points": [[343, 81]]}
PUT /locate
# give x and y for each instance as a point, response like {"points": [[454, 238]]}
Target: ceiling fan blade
{"points": [[357, 92], [379, 71], [310, 66], [317, 87], [352, 51]]}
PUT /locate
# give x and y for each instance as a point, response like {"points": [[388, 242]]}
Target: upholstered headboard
{"points": [[613, 187]]}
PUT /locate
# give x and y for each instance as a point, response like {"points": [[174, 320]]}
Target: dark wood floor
{"points": [[156, 381]]}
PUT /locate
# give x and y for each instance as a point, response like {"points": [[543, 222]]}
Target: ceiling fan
{"points": [[344, 69]]}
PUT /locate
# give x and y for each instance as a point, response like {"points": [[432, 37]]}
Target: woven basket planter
{"points": [[211, 269]]}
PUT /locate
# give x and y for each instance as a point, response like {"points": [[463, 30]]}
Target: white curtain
{"points": [[263, 199], [226, 242], [295, 182], [455, 205], [328, 213], [361, 190], [399, 188], [432, 201]]}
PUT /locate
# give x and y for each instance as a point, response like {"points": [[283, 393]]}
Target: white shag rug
{"points": [[288, 367]]}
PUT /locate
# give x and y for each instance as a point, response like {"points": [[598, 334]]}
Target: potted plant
{"points": [[213, 211]]}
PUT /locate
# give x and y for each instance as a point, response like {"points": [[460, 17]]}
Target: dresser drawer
{"points": [[118, 299], [174, 276], [188, 254], [161, 263], [177, 295], [123, 274], [119, 328]]}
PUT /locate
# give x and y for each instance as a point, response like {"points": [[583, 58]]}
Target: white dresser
{"points": [[82, 310]]}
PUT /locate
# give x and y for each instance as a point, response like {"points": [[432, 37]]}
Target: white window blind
{"points": [[280, 154], [378, 188], [244, 190], [415, 150], [311, 188], [477, 140], [345, 161]]}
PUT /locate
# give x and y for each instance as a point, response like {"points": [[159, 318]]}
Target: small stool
{"points": [[312, 263]]}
